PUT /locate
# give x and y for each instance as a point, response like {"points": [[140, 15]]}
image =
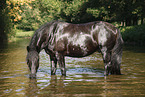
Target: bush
{"points": [[38, 12], [30, 17], [134, 34], [75, 11], [7, 25]]}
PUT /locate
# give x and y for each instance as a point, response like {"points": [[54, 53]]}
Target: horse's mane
{"points": [[35, 39], [36, 35]]}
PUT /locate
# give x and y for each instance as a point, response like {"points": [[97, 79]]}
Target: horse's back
{"points": [[76, 40], [79, 40]]}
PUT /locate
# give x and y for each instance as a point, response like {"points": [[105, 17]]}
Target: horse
{"points": [[60, 39]]}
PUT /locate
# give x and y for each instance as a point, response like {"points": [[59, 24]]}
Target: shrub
{"points": [[134, 34]]}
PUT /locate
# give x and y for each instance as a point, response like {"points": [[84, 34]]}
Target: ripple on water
{"points": [[84, 76]]}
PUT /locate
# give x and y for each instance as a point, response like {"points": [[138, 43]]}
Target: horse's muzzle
{"points": [[32, 76]]}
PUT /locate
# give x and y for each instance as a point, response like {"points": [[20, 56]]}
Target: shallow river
{"points": [[84, 75]]}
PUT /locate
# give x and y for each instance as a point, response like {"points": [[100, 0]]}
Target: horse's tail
{"points": [[116, 55]]}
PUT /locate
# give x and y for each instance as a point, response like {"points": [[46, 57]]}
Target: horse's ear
{"points": [[28, 48]]}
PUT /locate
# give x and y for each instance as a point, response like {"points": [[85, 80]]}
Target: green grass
{"points": [[24, 34], [21, 34]]}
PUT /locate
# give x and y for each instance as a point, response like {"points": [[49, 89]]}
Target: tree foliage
{"points": [[10, 15], [80, 11], [30, 14], [5, 23]]}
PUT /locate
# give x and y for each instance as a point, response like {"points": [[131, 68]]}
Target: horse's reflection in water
{"points": [[60, 39], [32, 88], [63, 86], [54, 85]]}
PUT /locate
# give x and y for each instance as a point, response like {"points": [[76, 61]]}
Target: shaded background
{"points": [[31, 14]]}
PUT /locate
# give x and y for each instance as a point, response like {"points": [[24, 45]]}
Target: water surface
{"points": [[84, 75]]}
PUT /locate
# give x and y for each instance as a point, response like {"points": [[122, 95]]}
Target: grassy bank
{"points": [[21, 34], [134, 35]]}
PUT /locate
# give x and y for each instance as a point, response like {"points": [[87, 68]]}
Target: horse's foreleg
{"points": [[107, 60], [53, 61], [61, 62]]}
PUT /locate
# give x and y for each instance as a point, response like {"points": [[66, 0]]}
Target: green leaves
{"points": [[32, 14], [134, 34]]}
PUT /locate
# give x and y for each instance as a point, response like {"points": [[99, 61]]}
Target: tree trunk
{"points": [[135, 20], [142, 20], [128, 22], [3, 36]]}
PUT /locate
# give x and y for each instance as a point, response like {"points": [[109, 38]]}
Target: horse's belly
{"points": [[76, 51], [81, 50]]}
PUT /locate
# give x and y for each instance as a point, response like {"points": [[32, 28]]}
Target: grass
{"points": [[21, 34]]}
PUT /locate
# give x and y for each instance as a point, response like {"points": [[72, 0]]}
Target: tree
{"points": [[3, 23]]}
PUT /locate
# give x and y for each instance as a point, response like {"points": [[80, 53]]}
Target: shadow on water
{"points": [[135, 49], [78, 82], [59, 86], [84, 75]]}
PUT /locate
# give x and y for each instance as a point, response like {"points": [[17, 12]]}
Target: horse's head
{"points": [[32, 61]]}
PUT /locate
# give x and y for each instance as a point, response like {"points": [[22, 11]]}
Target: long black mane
{"points": [[40, 35]]}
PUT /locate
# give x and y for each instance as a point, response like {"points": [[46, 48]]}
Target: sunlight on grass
{"points": [[21, 34], [24, 34]]}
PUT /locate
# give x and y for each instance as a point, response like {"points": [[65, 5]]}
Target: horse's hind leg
{"points": [[107, 59], [61, 62], [116, 56], [116, 61]]}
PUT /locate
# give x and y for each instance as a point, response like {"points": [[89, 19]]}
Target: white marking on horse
{"points": [[38, 41], [79, 40], [33, 69], [102, 36], [62, 36], [93, 31], [104, 49], [60, 29]]}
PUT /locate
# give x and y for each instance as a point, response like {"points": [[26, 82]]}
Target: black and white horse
{"points": [[60, 39]]}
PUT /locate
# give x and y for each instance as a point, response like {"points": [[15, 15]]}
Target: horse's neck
{"points": [[43, 37], [40, 40], [33, 43]]}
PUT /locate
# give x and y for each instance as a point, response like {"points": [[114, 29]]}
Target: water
{"points": [[84, 75]]}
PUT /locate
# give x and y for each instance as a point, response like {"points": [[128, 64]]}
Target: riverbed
{"points": [[84, 75]]}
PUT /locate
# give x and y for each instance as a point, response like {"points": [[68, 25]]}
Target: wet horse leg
{"points": [[116, 58], [107, 60], [53, 61], [61, 62]]}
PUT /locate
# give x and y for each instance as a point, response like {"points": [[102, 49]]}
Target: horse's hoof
{"points": [[53, 74], [105, 74], [63, 74]]}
